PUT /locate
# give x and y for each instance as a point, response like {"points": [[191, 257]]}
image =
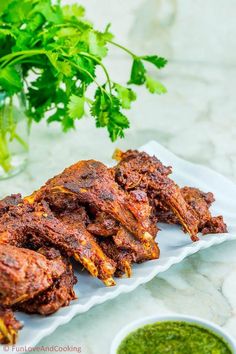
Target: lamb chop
{"points": [[138, 170], [25, 273], [58, 295], [34, 225], [130, 250], [9, 326], [187, 206], [92, 183], [115, 241], [33, 282], [200, 202]]}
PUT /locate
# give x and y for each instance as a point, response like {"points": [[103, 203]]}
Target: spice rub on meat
{"points": [[92, 185], [34, 225], [104, 218], [200, 202], [138, 170], [58, 295], [25, 273]]}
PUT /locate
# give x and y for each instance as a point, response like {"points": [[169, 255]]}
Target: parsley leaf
{"points": [[76, 107], [97, 46], [10, 80], [137, 73], [73, 11], [63, 50], [106, 110], [159, 62], [125, 95], [155, 86]]}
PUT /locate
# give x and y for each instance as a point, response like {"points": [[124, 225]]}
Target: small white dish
{"points": [[175, 317]]}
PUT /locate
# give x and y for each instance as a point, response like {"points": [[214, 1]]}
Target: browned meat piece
{"points": [[5, 203], [35, 225], [143, 211], [208, 196], [9, 326], [91, 183], [103, 225], [165, 214], [75, 218], [138, 170], [126, 248], [122, 257], [125, 240], [59, 294], [25, 273], [215, 225], [200, 203]]}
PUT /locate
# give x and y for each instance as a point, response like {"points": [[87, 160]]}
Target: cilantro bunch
{"points": [[52, 53]]}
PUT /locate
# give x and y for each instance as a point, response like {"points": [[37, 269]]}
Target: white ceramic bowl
{"points": [[176, 317]]}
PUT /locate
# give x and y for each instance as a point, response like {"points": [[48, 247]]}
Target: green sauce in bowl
{"points": [[173, 337]]}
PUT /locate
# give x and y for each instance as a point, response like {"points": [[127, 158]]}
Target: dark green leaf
{"points": [[106, 110], [137, 73], [10, 80], [67, 123], [87, 72], [57, 116], [120, 120], [17, 11], [159, 62]]}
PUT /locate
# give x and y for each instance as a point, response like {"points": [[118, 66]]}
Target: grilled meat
{"points": [[106, 218], [58, 295], [25, 273], [138, 170]]}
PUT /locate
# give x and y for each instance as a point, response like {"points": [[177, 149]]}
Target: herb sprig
{"points": [[63, 51]]}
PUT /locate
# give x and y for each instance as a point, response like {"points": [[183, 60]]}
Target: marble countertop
{"points": [[196, 120]]}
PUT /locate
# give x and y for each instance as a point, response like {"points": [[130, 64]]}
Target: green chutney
{"points": [[173, 337]]}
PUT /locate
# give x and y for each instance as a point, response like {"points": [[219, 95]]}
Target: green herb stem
{"points": [[134, 56], [91, 76], [102, 66], [21, 141], [6, 59], [7, 134], [5, 156]]}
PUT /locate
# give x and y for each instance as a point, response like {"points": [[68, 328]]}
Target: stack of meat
{"points": [[104, 218]]}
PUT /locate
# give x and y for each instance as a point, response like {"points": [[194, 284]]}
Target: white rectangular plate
{"points": [[174, 246]]}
